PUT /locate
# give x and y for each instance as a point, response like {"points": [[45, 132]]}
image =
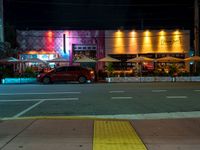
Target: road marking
{"points": [[175, 97], [159, 91], [116, 91], [121, 97], [115, 135], [6, 94], [167, 115], [28, 109], [52, 99], [197, 90]]}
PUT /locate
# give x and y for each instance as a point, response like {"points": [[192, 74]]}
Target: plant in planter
{"points": [[173, 70], [29, 72], [7, 72], [109, 69]]}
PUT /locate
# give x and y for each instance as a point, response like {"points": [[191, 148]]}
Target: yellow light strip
{"points": [[119, 42], [147, 42]]}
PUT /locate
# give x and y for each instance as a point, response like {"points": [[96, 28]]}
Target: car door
{"points": [[59, 74], [72, 73]]}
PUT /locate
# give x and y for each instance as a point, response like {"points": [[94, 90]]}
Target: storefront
{"points": [[70, 45], [41, 54], [123, 45]]}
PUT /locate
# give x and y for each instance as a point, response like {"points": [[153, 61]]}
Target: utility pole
{"points": [[196, 27], [1, 22]]}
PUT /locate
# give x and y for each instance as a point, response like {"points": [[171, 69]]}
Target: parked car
{"points": [[67, 73]]}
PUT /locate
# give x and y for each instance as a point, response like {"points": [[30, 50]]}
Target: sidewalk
{"points": [[60, 134]]}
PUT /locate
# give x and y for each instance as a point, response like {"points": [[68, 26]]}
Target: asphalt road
{"points": [[98, 99]]}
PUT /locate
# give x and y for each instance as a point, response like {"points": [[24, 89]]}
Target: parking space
{"points": [[10, 109]]}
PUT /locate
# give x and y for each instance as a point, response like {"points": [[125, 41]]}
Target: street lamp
{"points": [[1, 22]]}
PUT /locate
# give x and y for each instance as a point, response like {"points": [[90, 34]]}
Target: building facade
{"points": [[68, 44], [96, 44], [154, 44], [147, 42]]}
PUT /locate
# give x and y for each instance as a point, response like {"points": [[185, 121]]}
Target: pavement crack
{"points": [[1, 148]]}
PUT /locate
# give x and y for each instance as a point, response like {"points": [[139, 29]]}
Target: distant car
{"points": [[67, 73]]}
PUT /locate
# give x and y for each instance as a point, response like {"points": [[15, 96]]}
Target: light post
{"points": [[196, 31], [1, 22], [196, 27]]}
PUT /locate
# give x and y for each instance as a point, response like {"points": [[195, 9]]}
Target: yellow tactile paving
{"points": [[116, 135]]}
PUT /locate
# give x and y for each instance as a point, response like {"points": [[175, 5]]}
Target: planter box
{"points": [[163, 79], [195, 79], [18, 80], [183, 79], [123, 79], [153, 79]]}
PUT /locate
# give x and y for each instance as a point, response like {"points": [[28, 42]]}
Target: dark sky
{"points": [[99, 14]]}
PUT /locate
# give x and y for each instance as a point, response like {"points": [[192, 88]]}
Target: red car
{"points": [[67, 73]]}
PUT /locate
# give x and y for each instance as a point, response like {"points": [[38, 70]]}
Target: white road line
{"points": [[116, 91], [52, 99], [6, 94], [28, 109], [149, 116], [197, 90], [159, 91], [176, 97], [121, 97]]}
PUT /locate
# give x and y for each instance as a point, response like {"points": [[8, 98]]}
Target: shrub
{"points": [[29, 72]]}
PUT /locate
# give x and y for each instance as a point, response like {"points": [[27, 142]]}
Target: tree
{"points": [[11, 36], [7, 51], [10, 47], [172, 70], [109, 68]]}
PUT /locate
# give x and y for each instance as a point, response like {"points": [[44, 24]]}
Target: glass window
{"points": [[61, 69], [73, 68]]}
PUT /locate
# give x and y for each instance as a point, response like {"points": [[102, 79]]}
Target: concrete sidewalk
{"points": [[61, 134]]}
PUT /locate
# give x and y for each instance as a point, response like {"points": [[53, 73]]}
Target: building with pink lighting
{"points": [[123, 45], [67, 44]]}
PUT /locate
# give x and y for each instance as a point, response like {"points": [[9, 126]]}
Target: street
{"points": [[102, 99], [153, 116]]}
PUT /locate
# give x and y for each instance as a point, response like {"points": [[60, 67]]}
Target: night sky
{"points": [[99, 14]]}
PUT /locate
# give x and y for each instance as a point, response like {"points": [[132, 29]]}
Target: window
{"points": [[73, 68], [84, 47], [61, 69]]}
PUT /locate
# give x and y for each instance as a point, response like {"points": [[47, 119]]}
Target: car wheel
{"points": [[82, 79], [46, 80]]}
